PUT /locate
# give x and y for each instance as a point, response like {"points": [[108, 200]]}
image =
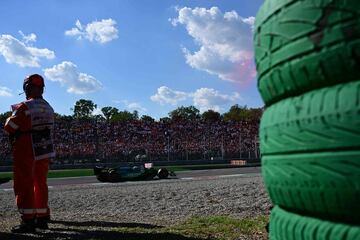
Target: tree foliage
{"points": [[84, 108], [242, 113], [135, 114], [211, 116], [66, 118], [185, 113], [165, 119], [147, 118], [123, 116], [109, 112], [4, 116]]}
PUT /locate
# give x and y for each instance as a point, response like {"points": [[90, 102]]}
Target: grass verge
{"points": [[195, 228], [213, 227], [60, 173]]}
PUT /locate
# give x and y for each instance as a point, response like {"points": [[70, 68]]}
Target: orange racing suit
{"points": [[31, 128]]}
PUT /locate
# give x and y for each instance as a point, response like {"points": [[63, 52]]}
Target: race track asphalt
{"points": [[195, 174]]}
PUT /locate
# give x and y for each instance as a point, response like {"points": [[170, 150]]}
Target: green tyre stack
{"points": [[286, 225], [307, 55], [311, 150], [302, 45]]}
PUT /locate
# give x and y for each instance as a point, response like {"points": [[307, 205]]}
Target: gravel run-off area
{"points": [[153, 203]]}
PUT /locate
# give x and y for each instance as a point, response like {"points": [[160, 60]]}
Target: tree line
{"points": [[83, 109]]}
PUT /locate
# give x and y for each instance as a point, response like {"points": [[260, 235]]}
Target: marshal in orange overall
{"points": [[30, 129]]}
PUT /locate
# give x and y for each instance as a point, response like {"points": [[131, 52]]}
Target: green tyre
{"points": [[325, 185], [320, 120], [286, 225], [302, 45]]}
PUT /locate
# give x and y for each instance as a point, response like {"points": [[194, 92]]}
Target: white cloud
{"points": [[101, 31], [5, 92], [28, 38], [18, 52], [250, 20], [76, 82], [134, 106], [116, 101], [202, 98], [209, 98], [97, 111], [225, 41], [166, 95], [78, 24]]}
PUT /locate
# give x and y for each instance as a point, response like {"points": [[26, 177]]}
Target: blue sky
{"points": [[145, 55]]}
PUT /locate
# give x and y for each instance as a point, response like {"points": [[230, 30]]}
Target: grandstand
{"points": [[87, 141]]}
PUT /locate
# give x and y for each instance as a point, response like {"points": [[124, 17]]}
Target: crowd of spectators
{"points": [[153, 140], [5, 145]]}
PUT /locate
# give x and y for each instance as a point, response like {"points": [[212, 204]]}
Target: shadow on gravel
{"points": [[95, 230], [105, 224]]}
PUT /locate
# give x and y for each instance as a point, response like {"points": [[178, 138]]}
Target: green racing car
{"points": [[4, 180], [131, 172]]}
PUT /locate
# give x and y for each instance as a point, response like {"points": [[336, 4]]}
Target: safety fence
{"points": [[85, 163]]}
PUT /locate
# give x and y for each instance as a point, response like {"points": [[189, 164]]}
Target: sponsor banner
{"points": [[238, 162]]}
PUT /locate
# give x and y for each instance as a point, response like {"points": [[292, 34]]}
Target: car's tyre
{"points": [[291, 226], [325, 184], [151, 173], [102, 176], [163, 173], [113, 176], [323, 119], [303, 45]]}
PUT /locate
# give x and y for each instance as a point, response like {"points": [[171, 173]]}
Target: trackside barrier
{"points": [[231, 163]]}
